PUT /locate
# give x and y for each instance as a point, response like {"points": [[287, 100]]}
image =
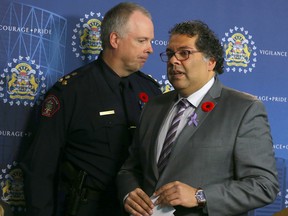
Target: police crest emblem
{"points": [[50, 106], [86, 38], [22, 82], [11, 181], [240, 50], [165, 85]]}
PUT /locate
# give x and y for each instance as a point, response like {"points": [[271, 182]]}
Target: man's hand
{"points": [[176, 193], [138, 203]]}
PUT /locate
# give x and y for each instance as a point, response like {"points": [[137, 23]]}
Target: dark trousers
{"points": [[99, 208], [93, 204], [78, 196]]}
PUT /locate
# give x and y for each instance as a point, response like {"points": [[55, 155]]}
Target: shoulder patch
{"points": [[50, 106]]}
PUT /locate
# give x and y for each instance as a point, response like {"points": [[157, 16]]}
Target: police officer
{"points": [[87, 122]]}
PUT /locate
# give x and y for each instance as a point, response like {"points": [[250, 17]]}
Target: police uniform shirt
{"points": [[83, 118]]}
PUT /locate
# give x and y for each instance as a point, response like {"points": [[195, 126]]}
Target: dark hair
{"points": [[206, 42], [116, 18]]}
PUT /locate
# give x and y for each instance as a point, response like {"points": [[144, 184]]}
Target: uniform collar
{"points": [[112, 78]]}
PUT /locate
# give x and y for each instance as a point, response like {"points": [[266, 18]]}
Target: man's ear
{"points": [[211, 64], [114, 39]]}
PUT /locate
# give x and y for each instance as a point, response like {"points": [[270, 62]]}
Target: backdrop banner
{"points": [[41, 41]]}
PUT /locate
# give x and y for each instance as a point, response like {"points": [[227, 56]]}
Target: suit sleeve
{"points": [[129, 176], [255, 180], [41, 163]]}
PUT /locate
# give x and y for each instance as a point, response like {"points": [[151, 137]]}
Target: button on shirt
{"points": [[194, 100]]}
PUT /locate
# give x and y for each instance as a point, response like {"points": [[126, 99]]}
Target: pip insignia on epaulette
{"points": [[64, 80]]}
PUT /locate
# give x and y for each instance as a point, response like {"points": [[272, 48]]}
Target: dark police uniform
{"points": [[86, 126]]}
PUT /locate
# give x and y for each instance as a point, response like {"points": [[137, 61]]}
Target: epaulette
{"points": [[66, 80], [149, 77]]}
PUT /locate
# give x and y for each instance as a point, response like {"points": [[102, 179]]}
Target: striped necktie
{"points": [[170, 136]]}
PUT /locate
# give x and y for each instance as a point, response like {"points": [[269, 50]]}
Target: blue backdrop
{"points": [[40, 41]]}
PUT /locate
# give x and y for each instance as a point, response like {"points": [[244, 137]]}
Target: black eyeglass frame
{"points": [[166, 57]]}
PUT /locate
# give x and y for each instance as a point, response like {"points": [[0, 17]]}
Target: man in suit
{"points": [[87, 122], [219, 159]]}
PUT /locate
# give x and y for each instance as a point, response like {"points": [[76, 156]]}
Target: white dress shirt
{"points": [[195, 100]]}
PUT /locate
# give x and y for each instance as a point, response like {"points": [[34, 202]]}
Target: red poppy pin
{"points": [[207, 106], [143, 99]]}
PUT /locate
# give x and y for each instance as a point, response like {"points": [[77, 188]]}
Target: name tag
{"points": [[108, 112]]}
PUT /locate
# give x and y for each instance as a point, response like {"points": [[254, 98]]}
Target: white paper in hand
{"points": [[162, 210]]}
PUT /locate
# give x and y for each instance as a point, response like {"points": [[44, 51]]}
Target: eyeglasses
{"points": [[181, 55]]}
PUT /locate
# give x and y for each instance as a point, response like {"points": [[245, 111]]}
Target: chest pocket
{"points": [[111, 130]]}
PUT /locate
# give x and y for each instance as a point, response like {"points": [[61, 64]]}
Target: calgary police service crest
{"points": [[86, 38], [240, 50], [22, 82]]}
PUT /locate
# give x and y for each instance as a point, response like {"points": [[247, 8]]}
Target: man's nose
{"points": [[149, 49]]}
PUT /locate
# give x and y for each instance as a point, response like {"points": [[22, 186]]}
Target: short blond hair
{"points": [[115, 20]]}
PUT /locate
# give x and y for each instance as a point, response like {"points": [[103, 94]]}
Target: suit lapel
{"points": [[202, 116]]}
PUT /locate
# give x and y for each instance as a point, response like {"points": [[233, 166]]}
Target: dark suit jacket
{"points": [[229, 154]]}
